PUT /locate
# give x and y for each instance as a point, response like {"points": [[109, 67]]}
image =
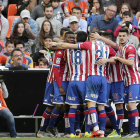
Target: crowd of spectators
{"points": [[40, 21]]}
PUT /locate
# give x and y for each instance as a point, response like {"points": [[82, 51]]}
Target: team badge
{"points": [[115, 96]]}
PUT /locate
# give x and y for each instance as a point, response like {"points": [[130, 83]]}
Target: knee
{"points": [[49, 108], [119, 106], [59, 107], [101, 107]]}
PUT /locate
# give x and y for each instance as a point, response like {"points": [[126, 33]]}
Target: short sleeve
{"points": [[57, 59], [85, 45], [111, 52], [131, 53]]}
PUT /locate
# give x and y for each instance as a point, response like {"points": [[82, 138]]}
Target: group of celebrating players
{"points": [[84, 78]]}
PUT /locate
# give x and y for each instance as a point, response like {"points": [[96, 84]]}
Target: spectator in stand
{"points": [[21, 5], [9, 46], [2, 60], [43, 63], [56, 24], [2, 49], [30, 24], [126, 7], [20, 33], [135, 5], [45, 29], [96, 8], [27, 60], [76, 11], [5, 113], [106, 21], [4, 4], [44, 51], [106, 3], [126, 16], [132, 39], [4, 26], [38, 10], [57, 10], [17, 58], [69, 4], [74, 24]]}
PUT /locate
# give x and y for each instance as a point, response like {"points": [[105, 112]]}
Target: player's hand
{"points": [[43, 51], [62, 91], [93, 10], [95, 36], [115, 58], [119, 55], [53, 44], [101, 61]]}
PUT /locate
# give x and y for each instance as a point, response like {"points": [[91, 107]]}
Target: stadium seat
{"points": [[10, 20], [12, 10]]}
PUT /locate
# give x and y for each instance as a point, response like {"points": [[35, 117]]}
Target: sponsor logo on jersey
{"points": [[58, 60], [71, 98], [94, 95]]}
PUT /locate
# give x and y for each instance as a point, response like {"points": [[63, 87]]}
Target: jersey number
{"points": [[100, 54], [75, 57]]}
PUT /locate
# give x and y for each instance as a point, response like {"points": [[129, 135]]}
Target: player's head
{"points": [[20, 44], [63, 31], [108, 35], [81, 36], [43, 63], [95, 29], [47, 39], [123, 36], [9, 46], [70, 37]]}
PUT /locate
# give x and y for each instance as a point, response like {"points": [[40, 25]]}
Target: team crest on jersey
{"points": [[115, 96], [58, 60], [130, 93]]}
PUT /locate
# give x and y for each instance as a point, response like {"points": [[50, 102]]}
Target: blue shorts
{"points": [[76, 93], [117, 92], [96, 89], [58, 98], [49, 93], [132, 93], [108, 93]]}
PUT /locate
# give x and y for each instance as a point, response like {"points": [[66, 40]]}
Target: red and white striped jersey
{"points": [[131, 74], [116, 70], [95, 50], [77, 62], [108, 73], [61, 63]]}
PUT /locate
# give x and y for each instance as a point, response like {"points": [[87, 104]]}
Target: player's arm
{"points": [[103, 61], [107, 41], [128, 62], [64, 45], [56, 67]]}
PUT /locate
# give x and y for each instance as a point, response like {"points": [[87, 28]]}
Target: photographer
{"points": [[4, 111]]}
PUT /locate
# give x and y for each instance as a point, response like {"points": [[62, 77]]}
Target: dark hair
{"points": [[77, 8], [81, 36], [95, 29], [18, 68], [101, 9], [69, 32], [42, 32], [108, 34], [9, 41], [127, 13], [47, 6], [129, 7], [44, 60], [123, 30], [15, 36], [103, 30], [64, 29], [47, 36], [54, 1], [16, 49], [19, 42]]}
